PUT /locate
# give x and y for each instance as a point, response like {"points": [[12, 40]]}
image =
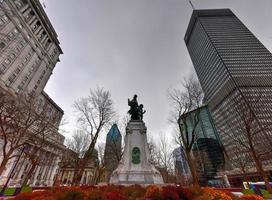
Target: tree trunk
{"points": [[192, 167], [28, 175], [86, 158], [3, 165], [5, 160], [260, 169], [245, 177]]}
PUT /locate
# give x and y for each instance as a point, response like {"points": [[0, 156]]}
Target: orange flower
{"points": [[251, 197]]}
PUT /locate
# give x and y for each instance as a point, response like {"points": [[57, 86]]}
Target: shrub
{"points": [[211, 194], [170, 193], [71, 195], [153, 192], [114, 196], [251, 197], [133, 192], [43, 195], [23, 196], [184, 193], [96, 194]]}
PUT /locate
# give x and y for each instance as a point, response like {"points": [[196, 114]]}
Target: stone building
{"points": [[68, 167], [29, 51]]}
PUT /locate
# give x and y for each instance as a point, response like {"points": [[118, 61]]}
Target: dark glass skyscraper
{"points": [[235, 72], [207, 148], [113, 150]]}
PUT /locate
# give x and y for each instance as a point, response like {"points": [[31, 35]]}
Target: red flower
{"points": [[114, 196]]}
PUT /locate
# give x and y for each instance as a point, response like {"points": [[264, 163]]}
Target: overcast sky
{"points": [[133, 47]]}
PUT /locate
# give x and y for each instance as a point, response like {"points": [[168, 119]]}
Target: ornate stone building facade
{"points": [[29, 51], [28, 44], [68, 167]]}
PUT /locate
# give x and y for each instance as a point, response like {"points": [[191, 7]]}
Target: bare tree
{"points": [[242, 126], [183, 101], [94, 113], [153, 152], [161, 157], [243, 161], [23, 121], [165, 158], [77, 145], [100, 168]]}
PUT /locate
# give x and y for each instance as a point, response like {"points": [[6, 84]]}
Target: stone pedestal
{"points": [[135, 168]]}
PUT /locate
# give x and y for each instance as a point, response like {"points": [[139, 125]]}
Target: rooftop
{"points": [[204, 13]]}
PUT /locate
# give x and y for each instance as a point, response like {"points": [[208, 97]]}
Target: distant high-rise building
{"points": [[113, 150], [29, 51], [207, 148], [235, 72], [182, 171]]}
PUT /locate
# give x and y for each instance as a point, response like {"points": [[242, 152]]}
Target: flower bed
{"points": [[136, 192]]}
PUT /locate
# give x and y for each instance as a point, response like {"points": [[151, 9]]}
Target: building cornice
{"points": [[52, 102], [45, 21], [204, 13]]}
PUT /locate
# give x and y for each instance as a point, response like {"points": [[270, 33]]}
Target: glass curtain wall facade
{"points": [[235, 72], [113, 150], [207, 149]]}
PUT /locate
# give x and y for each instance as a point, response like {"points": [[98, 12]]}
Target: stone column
{"points": [[35, 175], [53, 171], [19, 171], [7, 171]]}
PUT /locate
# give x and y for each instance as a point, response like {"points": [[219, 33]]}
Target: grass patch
{"points": [[248, 191], [26, 189], [9, 191]]}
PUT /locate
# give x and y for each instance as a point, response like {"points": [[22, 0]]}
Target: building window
{"points": [[19, 4], [2, 68], [11, 78], [12, 56], [11, 35], [7, 61], [7, 39], [15, 31], [2, 45], [5, 18], [17, 70]]}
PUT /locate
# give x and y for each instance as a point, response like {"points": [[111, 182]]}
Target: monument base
{"points": [[135, 167]]}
